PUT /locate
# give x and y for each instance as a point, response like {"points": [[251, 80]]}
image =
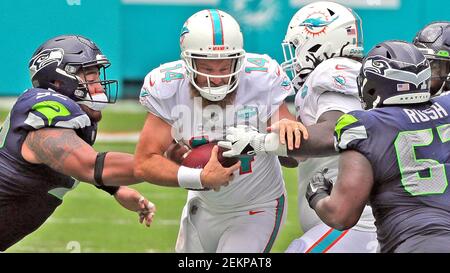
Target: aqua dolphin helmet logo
{"points": [[184, 31], [317, 22]]}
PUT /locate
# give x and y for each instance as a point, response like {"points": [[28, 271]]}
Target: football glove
{"points": [[319, 187], [246, 140]]}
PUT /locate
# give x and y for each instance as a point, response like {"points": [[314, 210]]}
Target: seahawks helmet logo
{"points": [[45, 58], [377, 66], [397, 70]]}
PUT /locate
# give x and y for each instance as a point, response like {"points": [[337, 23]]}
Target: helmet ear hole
{"points": [[314, 48], [371, 92], [388, 55]]}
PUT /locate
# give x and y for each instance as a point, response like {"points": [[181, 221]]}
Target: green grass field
{"points": [[92, 220]]}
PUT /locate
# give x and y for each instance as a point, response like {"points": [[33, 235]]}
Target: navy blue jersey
{"points": [[35, 109], [409, 150]]}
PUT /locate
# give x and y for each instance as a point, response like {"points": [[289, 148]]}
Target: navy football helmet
{"points": [[61, 58], [394, 72], [434, 42]]}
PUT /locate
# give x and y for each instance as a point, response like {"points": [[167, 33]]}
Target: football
{"points": [[199, 157]]}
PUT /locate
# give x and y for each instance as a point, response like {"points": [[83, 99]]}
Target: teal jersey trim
{"points": [[276, 228], [327, 241]]}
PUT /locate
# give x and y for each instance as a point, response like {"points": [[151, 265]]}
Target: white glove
{"points": [[246, 140]]}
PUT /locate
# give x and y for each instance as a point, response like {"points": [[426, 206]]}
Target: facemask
{"points": [[98, 103]]}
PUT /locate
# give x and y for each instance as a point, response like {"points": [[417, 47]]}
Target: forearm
{"points": [[158, 170], [63, 151], [330, 214], [343, 207], [319, 144], [118, 170]]}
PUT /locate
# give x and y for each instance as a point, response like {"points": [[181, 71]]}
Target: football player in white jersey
{"points": [[434, 42], [322, 48], [216, 84]]}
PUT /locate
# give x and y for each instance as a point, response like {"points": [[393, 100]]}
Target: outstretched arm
{"points": [[317, 140], [65, 152], [320, 141]]}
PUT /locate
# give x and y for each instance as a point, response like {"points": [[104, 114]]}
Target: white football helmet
{"points": [[212, 34], [319, 31]]}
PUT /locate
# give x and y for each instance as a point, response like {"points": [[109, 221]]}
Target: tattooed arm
{"points": [[65, 152]]}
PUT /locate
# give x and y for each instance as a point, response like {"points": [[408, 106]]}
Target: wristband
{"points": [[189, 178], [109, 189], [98, 169], [272, 145], [315, 198]]}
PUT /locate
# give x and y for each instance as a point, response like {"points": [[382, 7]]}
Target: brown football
{"points": [[199, 157]]}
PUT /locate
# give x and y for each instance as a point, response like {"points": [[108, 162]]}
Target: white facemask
{"points": [[100, 101]]}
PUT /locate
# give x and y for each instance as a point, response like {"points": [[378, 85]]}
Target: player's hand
{"points": [[214, 175], [246, 140], [134, 201], [319, 187], [239, 138], [146, 212], [288, 162], [177, 152], [291, 130]]}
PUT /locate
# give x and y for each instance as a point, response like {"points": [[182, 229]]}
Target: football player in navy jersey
{"points": [[434, 42], [395, 156], [45, 141]]}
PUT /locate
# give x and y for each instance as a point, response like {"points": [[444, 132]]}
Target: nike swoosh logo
{"points": [[55, 108], [253, 212], [341, 67]]}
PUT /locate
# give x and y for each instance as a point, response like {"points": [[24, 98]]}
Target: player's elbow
{"points": [[139, 171], [338, 217], [343, 221], [83, 168], [344, 224], [142, 167]]}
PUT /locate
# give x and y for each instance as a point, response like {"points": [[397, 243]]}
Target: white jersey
{"points": [[263, 86], [331, 86]]}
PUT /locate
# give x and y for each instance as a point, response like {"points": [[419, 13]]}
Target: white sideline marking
{"points": [[118, 137], [55, 220]]}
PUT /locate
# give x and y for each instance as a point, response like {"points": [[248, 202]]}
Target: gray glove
{"points": [[319, 187]]}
